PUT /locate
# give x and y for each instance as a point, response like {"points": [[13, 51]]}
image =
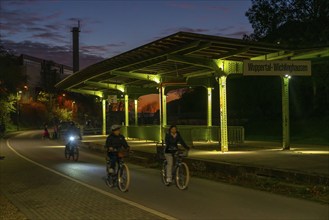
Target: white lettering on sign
{"points": [[276, 68]]}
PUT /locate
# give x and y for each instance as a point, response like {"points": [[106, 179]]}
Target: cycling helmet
{"points": [[115, 127]]}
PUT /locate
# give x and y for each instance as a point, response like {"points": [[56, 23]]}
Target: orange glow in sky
{"points": [[150, 103]]}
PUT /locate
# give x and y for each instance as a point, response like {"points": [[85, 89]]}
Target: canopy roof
{"points": [[176, 59]]}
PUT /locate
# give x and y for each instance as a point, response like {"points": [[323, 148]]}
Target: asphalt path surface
{"points": [[203, 199]]}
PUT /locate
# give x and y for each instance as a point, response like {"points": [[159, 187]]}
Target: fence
{"points": [[189, 133]]}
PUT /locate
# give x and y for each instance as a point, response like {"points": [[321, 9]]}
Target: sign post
{"points": [[285, 113]]}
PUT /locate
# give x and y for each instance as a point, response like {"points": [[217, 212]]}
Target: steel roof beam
{"points": [[232, 53], [143, 76], [312, 54], [87, 92], [274, 56], [203, 62], [118, 87], [200, 46], [198, 73]]}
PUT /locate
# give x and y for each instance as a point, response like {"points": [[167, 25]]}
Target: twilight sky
{"points": [[41, 28]]}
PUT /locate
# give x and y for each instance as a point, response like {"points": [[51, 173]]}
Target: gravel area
{"points": [[9, 211]]}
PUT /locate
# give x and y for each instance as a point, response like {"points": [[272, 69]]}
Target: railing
{"points": [[91, 131], [189, 133]]}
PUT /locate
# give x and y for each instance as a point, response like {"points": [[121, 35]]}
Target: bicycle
{"points": [[72, 149], [121, 176], [181, 173]]}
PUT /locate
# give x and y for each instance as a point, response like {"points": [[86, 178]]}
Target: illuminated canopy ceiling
{"points": [[183, 57]]}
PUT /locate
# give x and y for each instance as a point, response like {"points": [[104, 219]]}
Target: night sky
{"points": [[42, 28]]}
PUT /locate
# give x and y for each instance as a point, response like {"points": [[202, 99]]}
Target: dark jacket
{"points": [[118, 142], [172, 142]]}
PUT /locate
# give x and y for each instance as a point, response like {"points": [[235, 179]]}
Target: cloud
{"points": [[184, 29], [21, 21], [21, 2], [50, 36], [217, 8], [58, 54], [182, 5], [53, 26], [223, 29], [237, 34], [193, 6], [55, 14], [102, 49], [15, 21], [36, 29], [32, 25]]}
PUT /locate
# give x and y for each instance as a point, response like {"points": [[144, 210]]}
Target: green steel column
{"points": [[136, 112], [104, 116], [223, 114], [160, 113], [126, 110], [164, 107], [209, 115], [285, 114]]}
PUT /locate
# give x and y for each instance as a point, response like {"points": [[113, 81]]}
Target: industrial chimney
{"points": [[75, 34]]}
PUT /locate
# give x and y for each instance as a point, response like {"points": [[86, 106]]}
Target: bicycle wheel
{"points": [[182, 176], [123, 178], [67, 153], [76, 154], [164, 173]]}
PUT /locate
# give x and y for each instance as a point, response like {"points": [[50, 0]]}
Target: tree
{"points": [[11, 78], [291, 22], [7, 106]]}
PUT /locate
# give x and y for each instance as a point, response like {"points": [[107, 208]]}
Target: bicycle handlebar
{"points": [[182, 153]]}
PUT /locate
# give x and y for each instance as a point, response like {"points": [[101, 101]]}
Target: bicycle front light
{"points": [[71, 138]]}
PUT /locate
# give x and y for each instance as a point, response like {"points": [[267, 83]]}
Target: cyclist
{"points": [[115, 142], [172, 139], [73, 131]]}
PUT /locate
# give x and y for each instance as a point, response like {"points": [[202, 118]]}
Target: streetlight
{"points": [[18, 96]]}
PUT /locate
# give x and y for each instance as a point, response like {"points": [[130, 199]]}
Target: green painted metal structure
{"points": [[182, 59]]}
